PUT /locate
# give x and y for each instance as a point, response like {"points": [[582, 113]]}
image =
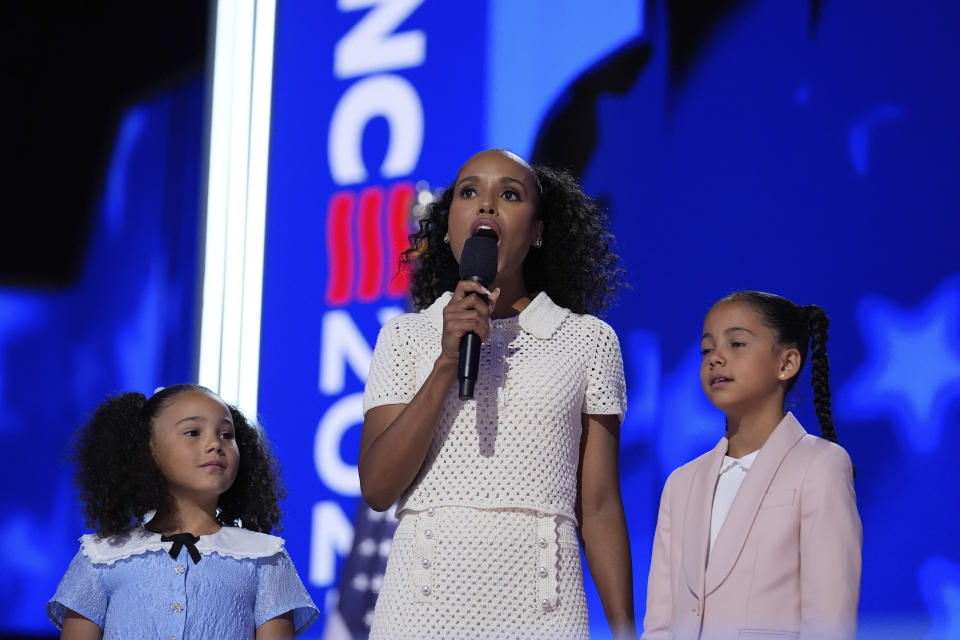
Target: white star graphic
{"points": [[912, 370], [940, 585]]}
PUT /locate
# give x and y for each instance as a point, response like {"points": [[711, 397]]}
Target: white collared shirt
{"points": [[732, 473]]}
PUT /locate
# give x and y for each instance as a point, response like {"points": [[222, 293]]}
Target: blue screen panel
{"points": [[809, 149], [800, 149], [126, 323]]}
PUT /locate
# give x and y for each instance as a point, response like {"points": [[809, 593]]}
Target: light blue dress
{"points": [[131, 587]]}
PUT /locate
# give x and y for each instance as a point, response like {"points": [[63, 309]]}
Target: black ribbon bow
{"points": [[181, 540]]}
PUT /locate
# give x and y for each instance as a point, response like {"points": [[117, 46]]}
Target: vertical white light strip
{"points": [[258, 162], [236, 148], [216, 212], [236, 200]]}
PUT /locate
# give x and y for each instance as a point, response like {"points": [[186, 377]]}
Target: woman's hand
{"points": [[468, 310], [396, 437]]}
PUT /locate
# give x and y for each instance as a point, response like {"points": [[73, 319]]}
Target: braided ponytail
{"points": [[818, 323], [799, 327]]}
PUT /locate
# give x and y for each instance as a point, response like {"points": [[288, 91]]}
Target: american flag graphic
{"points": [[362, 575]]}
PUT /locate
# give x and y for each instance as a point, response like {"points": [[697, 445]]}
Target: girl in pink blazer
{"points": [[760, 537]]}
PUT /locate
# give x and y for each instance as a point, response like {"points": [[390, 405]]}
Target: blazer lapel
{"points": [[743, 511], [696, 517]]}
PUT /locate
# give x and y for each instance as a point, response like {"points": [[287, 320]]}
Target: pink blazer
{"points": [[786, 563]]}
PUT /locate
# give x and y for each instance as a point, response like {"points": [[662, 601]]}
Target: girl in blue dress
{"points": [[204, 565]]}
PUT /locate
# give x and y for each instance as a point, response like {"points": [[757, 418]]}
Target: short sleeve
{"points": [[280, 590], [392, 377], [606, 390], [79, 590]]}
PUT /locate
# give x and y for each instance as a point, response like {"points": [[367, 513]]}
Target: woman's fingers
{"points": [[475, 297], [467, 287], [468, 310], [492, 301], [458, 322]]}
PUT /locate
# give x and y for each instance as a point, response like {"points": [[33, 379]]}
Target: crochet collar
{"points": [[541, 318], [229, 541]]}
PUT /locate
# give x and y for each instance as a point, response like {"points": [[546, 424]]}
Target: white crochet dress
{"points": [[486, 546]]}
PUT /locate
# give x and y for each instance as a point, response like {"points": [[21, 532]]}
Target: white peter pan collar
{"points": [[231, 542], [541, 318]]}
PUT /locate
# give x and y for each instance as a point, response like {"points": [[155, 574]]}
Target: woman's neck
{"points": [[513, 297], [749, 430], [185, 516]]}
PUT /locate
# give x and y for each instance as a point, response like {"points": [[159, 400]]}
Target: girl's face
{"points": [[195, 447], [496, 194], [743, 367]]}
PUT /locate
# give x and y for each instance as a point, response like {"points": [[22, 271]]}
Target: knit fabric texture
{"points": [[458, 573], [486, 546], [517, 443]]}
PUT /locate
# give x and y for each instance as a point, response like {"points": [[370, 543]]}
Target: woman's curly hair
{"points": [[575, 265], [119, 480]]}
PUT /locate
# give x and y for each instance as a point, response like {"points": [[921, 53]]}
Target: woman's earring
{"points": [[538, 243], [446, 238]]}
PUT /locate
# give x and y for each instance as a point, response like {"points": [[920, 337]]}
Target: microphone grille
{"points": [[479, 259]]}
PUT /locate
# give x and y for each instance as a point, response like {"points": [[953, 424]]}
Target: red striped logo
{"points": [[366, 233]]}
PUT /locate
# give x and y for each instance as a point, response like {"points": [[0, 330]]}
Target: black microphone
{"points": [[478, 262]]}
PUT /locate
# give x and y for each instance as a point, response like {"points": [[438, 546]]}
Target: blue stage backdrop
{"points": [[799, 147], [126, 323], [806, 147]]}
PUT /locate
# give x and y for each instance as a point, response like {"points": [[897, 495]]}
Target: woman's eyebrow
{"points": [[503, 180], [506, 179]]}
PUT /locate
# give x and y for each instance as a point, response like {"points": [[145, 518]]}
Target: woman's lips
{"points": [[486, 227]]}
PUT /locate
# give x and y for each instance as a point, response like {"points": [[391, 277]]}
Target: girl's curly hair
{"points": [[119, 480], [575, 266]]}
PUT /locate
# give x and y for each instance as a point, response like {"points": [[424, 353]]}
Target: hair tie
{"points": [[146, 402]]}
